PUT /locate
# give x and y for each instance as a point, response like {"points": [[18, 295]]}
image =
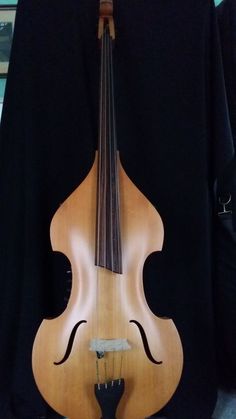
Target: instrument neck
{"points": [[108, 241], [107, 144], [106, 18]]}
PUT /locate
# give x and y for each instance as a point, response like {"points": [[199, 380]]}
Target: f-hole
{"points": [[145, 343], [70, 343]]}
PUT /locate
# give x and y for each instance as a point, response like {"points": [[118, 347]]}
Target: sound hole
{"points": [[145, 343], [70, 343]]}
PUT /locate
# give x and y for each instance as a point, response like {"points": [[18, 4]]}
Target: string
{"points": [[105, 151], [111, 209], [99, 172], [116, 175], [108, 183], [101, 183], [100, 195], [115, 199]]}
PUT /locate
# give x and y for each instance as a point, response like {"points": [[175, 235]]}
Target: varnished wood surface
{"points": [[107, 301]]}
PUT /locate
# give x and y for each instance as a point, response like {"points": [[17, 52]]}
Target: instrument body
{"points": [[107, 336], [107, 302]]}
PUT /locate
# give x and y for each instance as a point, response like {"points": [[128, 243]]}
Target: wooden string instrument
{"points": [[107, 354]]}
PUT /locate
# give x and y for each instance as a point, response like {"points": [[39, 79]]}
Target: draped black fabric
{"points": [[174, 139], [226, 14], [225, 284]]}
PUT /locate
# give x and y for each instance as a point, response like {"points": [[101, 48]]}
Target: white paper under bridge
{"points": [[100, 346]]}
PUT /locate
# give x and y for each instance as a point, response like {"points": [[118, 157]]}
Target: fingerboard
{"points": [[108, 237]]}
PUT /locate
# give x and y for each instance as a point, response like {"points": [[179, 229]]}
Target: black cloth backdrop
{"points": [[174, 139], [225, 281], [226, 14]]}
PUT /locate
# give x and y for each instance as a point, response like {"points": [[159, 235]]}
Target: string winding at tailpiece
{"points": [[108, 396]]}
